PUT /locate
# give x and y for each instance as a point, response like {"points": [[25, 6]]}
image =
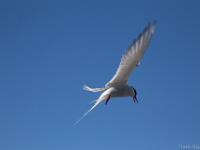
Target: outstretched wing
{"points": [[132, 56]]}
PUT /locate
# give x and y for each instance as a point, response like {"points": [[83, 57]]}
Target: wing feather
{"points": [[132, 56]]}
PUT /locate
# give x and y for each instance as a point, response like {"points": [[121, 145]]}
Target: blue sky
{"points": [[49, 49]]}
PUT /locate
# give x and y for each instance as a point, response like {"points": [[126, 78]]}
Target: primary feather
{"points": [[132, 57]]}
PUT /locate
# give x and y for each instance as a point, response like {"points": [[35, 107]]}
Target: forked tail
{"points": [[97, 102], [104, 96]]}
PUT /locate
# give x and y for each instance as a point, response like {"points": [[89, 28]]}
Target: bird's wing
{"points": [[132, 56]]}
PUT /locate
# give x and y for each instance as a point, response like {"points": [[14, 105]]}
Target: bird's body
{"points": [[115, 91], [118, 86], [122, 91]]}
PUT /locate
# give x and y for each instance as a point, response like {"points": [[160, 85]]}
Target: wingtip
{"points": [[86, 87], [152, 26], [152, 23]]}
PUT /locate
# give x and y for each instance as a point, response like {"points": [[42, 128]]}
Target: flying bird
{"points": [[118, 86]]}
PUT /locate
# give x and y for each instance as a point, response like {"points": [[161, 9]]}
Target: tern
{"points": [[118, 86]]}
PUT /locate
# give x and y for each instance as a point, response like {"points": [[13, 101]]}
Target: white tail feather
{"points": [[97, 102], [87, 88], [104, 96]]}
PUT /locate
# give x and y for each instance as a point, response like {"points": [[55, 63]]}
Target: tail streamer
{"points": [[85, 114]]}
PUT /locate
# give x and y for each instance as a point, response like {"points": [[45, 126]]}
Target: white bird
{"points": [[117, 86]]}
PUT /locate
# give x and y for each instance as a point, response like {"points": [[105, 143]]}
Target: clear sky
{"points": [[49, 49]]}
